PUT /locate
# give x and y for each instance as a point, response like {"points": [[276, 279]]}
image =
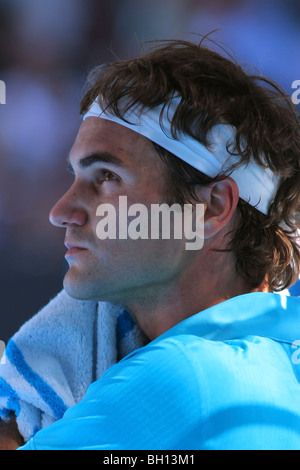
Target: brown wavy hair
{"points": [[215, 89]]}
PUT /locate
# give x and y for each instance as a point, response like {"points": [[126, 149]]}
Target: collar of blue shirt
{"points": [[273, 316]]}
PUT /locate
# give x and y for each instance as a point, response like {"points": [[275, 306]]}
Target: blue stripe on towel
{"points": [[13, 399], [4, 414], [124, 325], [47, 393]]}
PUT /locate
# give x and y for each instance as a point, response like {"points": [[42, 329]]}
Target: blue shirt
{"points": [[224, 379]]}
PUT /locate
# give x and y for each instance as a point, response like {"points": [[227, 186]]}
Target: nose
{"points": [[68, 211]]}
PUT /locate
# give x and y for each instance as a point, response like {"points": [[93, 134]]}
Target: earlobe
{"points": [[220, 206]]}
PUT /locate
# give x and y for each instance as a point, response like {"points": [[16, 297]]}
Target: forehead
{"points": [[99, 135]]}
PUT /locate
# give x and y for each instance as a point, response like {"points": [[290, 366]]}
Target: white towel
{"points": [[50, 362]]}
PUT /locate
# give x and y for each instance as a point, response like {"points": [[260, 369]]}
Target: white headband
{"points": [[257, 185]]}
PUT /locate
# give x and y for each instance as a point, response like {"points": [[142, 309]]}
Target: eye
{"points": [[105, 175]]}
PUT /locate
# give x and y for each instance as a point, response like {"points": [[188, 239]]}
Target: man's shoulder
{"points": [[209, 364], [194, 356]]}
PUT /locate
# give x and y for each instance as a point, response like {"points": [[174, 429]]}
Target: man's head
{"points": [[212, 90], [109, 161]]}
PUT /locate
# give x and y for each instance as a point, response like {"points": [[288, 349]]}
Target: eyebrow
{"points": [[89, 160]]}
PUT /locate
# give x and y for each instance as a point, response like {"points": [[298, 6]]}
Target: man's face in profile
{"points": [[108, 161]]}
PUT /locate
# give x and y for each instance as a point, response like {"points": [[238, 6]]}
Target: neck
{"points": [[163, 306]]}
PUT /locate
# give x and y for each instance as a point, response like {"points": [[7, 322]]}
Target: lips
{"points": [[70, 245], [73, 249]]}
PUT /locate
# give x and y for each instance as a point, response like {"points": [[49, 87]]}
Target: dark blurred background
{"points": [[46, 49]]}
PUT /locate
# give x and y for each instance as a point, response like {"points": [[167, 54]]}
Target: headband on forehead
{"points": [[257, 185]]}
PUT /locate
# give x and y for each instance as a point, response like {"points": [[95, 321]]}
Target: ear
{"points": [[220, 199]]}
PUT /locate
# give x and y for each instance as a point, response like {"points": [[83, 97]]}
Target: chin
{"points": [[76, 288], [75, 292], [83, 287]]}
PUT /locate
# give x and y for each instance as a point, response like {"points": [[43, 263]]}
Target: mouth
{"points": [[73, 249]]}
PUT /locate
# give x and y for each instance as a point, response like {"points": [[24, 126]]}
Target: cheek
{"points": [[135, 228], [143, 260]]}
